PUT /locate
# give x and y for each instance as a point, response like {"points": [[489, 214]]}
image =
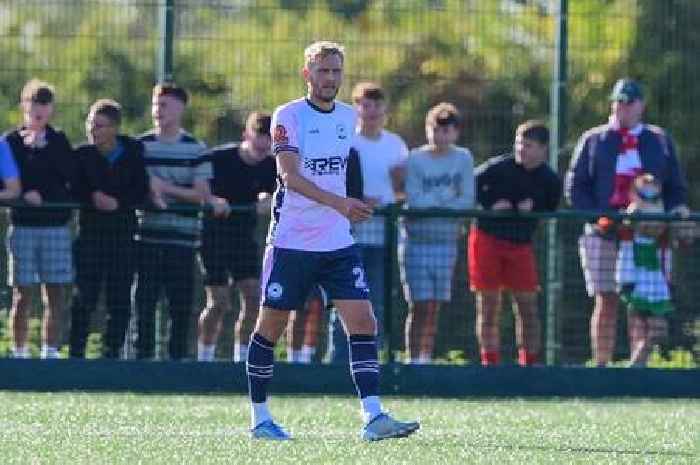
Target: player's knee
{"points": [[271, 323]]}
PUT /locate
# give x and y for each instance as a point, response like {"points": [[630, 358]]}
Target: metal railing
{"points": [[565, 335]]}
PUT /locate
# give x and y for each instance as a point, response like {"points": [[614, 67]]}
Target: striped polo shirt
{"points": [[178, 163]]}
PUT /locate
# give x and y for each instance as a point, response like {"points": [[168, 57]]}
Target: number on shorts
{"points": [[360, 282]]}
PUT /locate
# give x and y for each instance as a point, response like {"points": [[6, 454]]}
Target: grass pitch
{"points": [[85, 428]]}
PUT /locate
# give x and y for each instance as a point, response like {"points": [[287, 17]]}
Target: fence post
{"points": [[391, 218], [164, 58], [164, 73], [558, 136]]}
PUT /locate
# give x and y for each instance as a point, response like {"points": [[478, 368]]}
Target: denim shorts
{"points": [[39, 254]]}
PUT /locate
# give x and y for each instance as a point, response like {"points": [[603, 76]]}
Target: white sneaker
{"points": [[384, 426]]}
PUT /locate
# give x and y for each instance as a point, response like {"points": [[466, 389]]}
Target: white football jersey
{"points": [[323, 140]]}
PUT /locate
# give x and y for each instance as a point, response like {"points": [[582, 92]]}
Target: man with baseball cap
{"points": [[606, 161]]}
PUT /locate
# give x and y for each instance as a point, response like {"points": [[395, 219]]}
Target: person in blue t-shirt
{"points": [[9, 174]]}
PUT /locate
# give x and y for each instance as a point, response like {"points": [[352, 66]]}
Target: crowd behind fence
{"points": [[309, 337], [493, 60]]}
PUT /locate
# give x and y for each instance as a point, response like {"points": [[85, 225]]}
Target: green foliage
{"points": [[677, 358], [34, 340]]}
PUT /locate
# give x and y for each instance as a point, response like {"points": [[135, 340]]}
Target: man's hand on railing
{"points": [[220, 206], [104, 202], [681, 210], [502, 204], [158, 201], [604, 225], [33, 198], [525, 205], [683, 232], [264, 203]]}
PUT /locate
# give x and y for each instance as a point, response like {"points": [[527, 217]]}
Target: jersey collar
{"points": [[317, 108]]}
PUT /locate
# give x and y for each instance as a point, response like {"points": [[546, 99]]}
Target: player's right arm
{"points": [[285, 147], [288, 169]]}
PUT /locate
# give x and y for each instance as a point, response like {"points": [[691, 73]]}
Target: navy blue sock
{"points": [[364, 364], [259, 367]]}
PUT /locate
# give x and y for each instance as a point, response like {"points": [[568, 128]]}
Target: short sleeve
{"points": [[203, 170], [8, 166], [284, 131], [401, 152]]}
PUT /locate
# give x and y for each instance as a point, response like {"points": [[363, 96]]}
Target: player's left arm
{"points": [[288, 169]]}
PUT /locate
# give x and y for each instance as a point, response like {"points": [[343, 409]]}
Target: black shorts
{"points": [[228, 253]]}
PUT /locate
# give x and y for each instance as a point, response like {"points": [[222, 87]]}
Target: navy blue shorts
{"points": [[288, 276]]}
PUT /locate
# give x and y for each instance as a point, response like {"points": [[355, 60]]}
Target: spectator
{"points": [[382, 156], [168, 240], [643, 271], [440, 175], [112, 181], [39, 239], [242, 173], [10, 188], [605, 162], [501, 255]]}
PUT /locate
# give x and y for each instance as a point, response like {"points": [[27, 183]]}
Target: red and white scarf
{"points": [[628, 164]]}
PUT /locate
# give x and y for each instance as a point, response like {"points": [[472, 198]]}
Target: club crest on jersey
{"points": [[274, 291], [341, 131], [279, 136]]}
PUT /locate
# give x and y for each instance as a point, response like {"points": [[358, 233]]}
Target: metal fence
{"points": [[499, 61], [444, 265], [494, 59]]}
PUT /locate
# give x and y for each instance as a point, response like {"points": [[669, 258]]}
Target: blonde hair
{"points": [[322, 49]]}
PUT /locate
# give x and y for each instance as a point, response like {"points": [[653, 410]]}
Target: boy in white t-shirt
{"points": [[382, 156]]}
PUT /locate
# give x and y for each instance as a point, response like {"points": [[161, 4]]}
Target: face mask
{"points": [[648, 193]]}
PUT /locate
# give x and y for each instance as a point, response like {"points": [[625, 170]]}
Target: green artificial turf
{"points": [[86, 428]]}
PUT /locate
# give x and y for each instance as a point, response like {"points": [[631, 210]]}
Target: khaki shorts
{"points": [[598, 258]]}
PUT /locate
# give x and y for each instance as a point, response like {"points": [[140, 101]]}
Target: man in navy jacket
{"points": [[606, 160]]}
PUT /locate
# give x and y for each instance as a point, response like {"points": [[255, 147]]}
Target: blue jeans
{"points": [[373, 260]]}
